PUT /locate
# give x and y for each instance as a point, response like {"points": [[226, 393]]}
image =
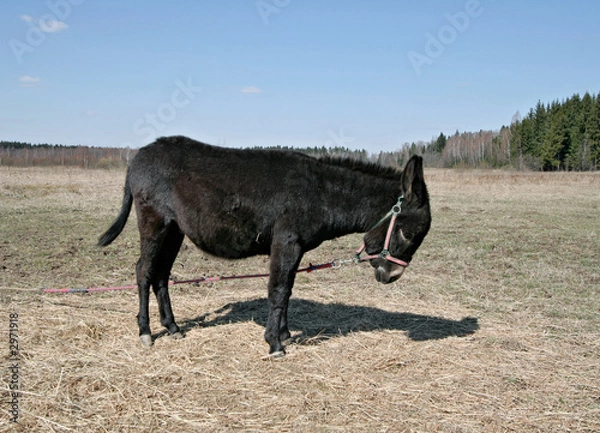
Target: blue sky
{"points": [[362, 74]]}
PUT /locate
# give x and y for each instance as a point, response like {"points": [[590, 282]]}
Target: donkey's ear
{"points": [[412, 178]]}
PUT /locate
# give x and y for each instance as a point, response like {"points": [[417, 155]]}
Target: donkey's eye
{"points": [[405, 235]]}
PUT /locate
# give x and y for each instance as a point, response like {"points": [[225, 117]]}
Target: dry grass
{"points": [[494, 328]]}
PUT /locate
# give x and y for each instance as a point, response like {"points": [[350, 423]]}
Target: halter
{"points": [[385, 253]]}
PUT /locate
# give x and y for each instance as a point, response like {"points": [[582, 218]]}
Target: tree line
{"points": [[20, 154], [555, 136], [561, 135]]}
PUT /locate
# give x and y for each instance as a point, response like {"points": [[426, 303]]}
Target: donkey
{"points": [[236, 203]]}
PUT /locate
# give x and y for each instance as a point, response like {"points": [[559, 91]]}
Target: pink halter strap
{"points": [[385, 253]]}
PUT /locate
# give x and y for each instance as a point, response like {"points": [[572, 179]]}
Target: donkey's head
{"points": [[390, 245]]}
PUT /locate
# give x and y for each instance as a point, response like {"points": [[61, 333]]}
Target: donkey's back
{"points": [[171, 158]]}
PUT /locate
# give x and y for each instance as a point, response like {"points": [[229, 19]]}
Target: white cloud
{"points": [[47, 25], [28, 81], [251, 89], [52, 26]]}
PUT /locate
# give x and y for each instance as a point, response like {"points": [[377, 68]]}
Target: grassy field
{"points": [[495, 327]]}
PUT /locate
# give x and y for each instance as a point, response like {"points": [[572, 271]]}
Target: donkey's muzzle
{"points": [[387, 274]]}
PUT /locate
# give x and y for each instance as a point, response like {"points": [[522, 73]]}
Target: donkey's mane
{"points": [[374, 169], [362, 166]]}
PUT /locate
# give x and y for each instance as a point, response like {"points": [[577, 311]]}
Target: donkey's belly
{"points": [[229, 237]]}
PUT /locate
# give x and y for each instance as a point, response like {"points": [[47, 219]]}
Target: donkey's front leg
{"points": [[285, 257]]}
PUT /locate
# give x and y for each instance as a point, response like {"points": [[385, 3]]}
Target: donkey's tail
{"points": [[117, 226]]}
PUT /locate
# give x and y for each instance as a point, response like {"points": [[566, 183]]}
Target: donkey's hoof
{"points": [[278, 354], [177, 335], [146, 340]]}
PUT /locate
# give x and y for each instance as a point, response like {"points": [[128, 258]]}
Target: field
{"points": [[495, 326]]}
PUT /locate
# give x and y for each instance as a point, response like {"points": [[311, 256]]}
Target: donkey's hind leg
{"points": [[170, 247], [143, 316], [159, 244]]}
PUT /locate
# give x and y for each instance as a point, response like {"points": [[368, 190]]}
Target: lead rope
{"points": [[335, 264]]}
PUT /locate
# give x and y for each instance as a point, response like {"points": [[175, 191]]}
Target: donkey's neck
{"points": [[360, 199]]}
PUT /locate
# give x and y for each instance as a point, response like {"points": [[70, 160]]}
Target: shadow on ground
{"points": [[318, 321]]}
